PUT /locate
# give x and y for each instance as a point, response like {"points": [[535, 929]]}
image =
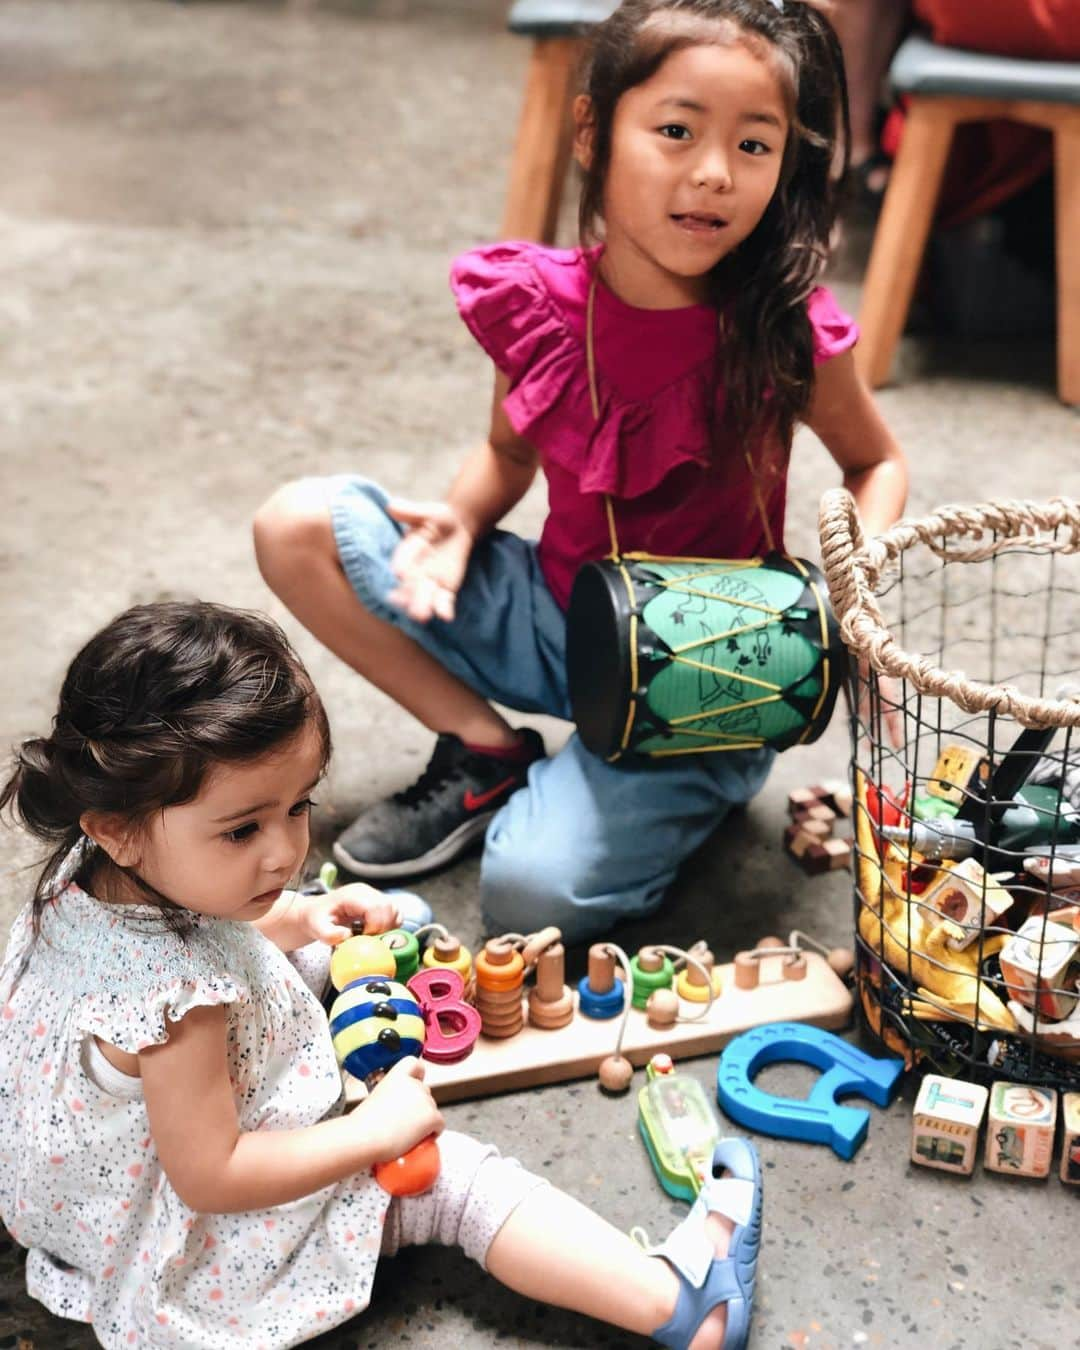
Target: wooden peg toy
{"points": [[691, 985], [650, 970], [600, 994], [1020, 1130], [945, 1126], [1070, 1143], [514, 1053], [500, 974], [551, 1004], [448, 951], [405, 950]]}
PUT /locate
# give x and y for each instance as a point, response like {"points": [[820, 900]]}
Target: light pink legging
{"points": [[477, 1191]]}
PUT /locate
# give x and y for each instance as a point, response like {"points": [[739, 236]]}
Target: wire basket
{"points": [[964, 691]]}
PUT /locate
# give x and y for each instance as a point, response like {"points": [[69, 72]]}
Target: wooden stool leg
{"points": [[544, 139], [900, 237], [1067, 214]]}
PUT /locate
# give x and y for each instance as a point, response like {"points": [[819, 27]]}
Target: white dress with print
{"points": [[109, 1240]]}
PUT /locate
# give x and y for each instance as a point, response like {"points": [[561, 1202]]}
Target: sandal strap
{"points": [[689, 1247], [695, 1304]]}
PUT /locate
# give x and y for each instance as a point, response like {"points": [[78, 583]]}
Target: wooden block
{"points": [[801, 799], [815, 861], [971, 899], [838, 796], [960, 769], [1020, 1130], [1035, 964], [796, 841], [820, 812], [945, 1126], [798, 838], [839, 851], [1070, 1144]]}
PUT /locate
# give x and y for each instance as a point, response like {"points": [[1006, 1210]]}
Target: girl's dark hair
{"points": [[767, 366], [148, 707]]}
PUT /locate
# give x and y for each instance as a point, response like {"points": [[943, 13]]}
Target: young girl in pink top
{"points": [[710, 134]]}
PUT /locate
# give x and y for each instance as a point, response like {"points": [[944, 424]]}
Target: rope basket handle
{"points": [[854, 565]]}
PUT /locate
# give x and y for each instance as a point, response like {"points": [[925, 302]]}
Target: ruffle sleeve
{"points": [[133, 1024], [127, 976], [536, 338], [525, 305], [835, 331]]}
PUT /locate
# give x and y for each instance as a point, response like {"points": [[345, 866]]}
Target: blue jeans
{"points": [[585, 843]]}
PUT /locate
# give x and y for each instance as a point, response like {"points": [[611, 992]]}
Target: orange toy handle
{"points": [[414, 1172]]}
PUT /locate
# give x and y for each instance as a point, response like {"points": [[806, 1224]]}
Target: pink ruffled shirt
{"points": [[650, 447]]}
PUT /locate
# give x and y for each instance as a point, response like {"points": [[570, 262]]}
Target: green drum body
{"points": [[670, 656]]}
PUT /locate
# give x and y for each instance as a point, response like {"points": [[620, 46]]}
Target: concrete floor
{"points": [[224, 238]]}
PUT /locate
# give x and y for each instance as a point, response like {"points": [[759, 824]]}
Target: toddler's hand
{"points": [[331, 917], [400, 1111], [431, 559]]}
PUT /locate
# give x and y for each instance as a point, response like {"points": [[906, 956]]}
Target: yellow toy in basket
{"points": [[892, 924]]}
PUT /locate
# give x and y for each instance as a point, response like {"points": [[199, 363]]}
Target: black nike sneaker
{"points": [[445, 811]]}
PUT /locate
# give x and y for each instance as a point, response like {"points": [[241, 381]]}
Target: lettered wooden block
{"points": [[966, 895], [1020, 1131], [1070, 1146], [959, 769], [945, 1128]]}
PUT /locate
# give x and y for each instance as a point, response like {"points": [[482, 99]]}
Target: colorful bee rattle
{"points": [[376, 1020]]}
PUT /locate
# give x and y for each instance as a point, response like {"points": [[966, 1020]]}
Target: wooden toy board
{"points": [[534, 1057]]}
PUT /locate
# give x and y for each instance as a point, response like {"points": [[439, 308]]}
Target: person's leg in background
{"points": [[586, 844], [869, 33], [325, 547]]}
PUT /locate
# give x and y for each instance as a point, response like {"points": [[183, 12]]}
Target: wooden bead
{"points": [[615, 1073], [771, 941], [662, 1008], [842, 960], [360, 956]]}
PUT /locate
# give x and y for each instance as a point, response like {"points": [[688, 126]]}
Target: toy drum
{"points": [[675, 656]]}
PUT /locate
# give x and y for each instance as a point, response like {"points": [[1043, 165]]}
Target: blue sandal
{"points": [[706, 1281]]}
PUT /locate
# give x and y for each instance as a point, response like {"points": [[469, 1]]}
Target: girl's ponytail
{"points": [[41, 797]]}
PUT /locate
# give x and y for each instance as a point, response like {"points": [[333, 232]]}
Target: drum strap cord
{"points": [[594, 398]]}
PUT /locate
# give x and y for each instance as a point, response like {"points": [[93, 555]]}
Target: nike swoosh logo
{"points": [[472, 801]]}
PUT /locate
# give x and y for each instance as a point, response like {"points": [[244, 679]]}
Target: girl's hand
{"points": [[431, 559], [399, 1112], [330, 917]]}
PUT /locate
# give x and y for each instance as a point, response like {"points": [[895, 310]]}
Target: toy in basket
{"points": [[535, 1029], [967, 825], [670, 656]]}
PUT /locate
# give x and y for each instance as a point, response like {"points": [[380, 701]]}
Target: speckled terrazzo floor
{"points": [[224, 235]]}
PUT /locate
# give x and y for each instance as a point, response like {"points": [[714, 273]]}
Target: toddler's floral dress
{"points": [[81, 1187]]}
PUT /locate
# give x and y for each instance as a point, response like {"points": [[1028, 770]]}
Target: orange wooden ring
{"points": [[506, 976]]}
